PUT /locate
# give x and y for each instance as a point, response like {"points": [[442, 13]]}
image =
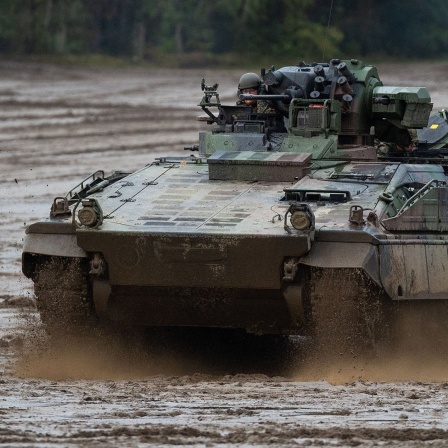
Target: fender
{"points": [[57, 238], [413, 270], [345, 255]]}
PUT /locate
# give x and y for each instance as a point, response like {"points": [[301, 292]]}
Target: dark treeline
{"points": [[205, 29]]}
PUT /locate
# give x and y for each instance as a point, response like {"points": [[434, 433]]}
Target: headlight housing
{"points": [[90, 214], [301, 218]]}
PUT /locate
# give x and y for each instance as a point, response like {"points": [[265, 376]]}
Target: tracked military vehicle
{"points": [[433, 138], [284, 222]]}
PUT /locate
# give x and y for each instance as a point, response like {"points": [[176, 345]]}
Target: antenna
{"points": [[326, 32]]}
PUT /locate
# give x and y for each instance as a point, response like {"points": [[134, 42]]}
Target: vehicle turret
{"points": [[329, 111]]}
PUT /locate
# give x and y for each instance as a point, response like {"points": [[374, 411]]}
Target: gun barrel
{"points": [[245, 96]]}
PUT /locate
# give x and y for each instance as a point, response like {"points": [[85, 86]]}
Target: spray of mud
{"points": [[130, 354], [381, 368], [415, 349], [418, 351], [105, 354]]}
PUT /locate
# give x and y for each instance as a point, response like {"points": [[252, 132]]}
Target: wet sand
{"points": [[58, 125]]}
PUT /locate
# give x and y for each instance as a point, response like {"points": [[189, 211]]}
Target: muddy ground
{"points": [[57, 126]]}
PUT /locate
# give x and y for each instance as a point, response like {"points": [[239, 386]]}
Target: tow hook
{"points": [[97, 265], [290, 268]]}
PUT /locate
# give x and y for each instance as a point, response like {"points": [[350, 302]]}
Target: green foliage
{"points": [[408, 29], [182, 24], [200, 31], [41, 26]]}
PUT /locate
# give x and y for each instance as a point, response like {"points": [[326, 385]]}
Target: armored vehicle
{"points": [[284, 222], [433, 138]]}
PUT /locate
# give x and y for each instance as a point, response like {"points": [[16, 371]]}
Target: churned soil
{"points": [[57, 126]]}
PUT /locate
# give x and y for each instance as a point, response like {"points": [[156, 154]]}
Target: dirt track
{"points": [[58, 125]]}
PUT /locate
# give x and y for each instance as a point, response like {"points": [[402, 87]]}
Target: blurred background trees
{"points": [[193, 32]]}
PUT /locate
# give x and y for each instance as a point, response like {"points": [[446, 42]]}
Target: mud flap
{"points": [[344, 255]]}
